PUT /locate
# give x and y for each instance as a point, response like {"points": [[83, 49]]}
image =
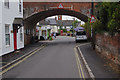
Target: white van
{"points": [[80, 35]]}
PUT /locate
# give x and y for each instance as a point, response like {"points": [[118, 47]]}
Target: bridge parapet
{"points": [[31, 8]]}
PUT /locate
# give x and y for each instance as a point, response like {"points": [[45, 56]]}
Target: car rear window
{"points": [[81, 33]]}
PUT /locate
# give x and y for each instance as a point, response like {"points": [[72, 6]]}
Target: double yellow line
{"points": [[81, 73], [12, 66]]}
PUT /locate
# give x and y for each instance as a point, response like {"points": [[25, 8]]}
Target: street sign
{"points": [[60, 6], [93, 19]]}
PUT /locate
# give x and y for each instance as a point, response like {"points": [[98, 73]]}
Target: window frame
{"points": [[7, 4], [20, 6], [7, 35], [21, 35]]}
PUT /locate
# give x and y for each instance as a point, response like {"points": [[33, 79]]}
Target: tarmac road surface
{"points": [[57, 60]]}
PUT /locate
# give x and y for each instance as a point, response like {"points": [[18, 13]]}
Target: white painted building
{"points": [[54, 28], [43, 31], [11, 29]]}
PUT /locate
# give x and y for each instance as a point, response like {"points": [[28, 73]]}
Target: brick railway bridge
{"points": [[37, 11]]}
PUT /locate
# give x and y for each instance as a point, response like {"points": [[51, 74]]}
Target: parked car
{"points": [[80, 36]]}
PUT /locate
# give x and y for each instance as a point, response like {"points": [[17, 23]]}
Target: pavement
{"points": [[97, 64], [5, 59]]}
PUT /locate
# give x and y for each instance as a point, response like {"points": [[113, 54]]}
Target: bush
{"points": [[98, 26], [109, 17], [114, 22]]}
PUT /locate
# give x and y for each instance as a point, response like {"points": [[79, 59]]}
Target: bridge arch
{"points": [[31, 21], [36, 17]]}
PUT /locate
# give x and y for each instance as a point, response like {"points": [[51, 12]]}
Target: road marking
{"points": [[81, 73], [12, 66], [80, 67], [85, 62], [77, 64], [87, 66], [19, 58], [3, 62], [82, 44]]}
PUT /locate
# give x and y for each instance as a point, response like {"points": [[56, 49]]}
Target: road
{"points": [[57, 60]]}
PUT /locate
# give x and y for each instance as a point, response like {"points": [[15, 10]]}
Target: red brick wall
{"points": [[109, 47], [41, 6]]}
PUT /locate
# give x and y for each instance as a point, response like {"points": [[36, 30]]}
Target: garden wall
{"points": [[109, 47]]}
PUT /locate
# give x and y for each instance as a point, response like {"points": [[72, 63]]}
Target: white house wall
{"points": [[8, 16], [0, 27], [54, 29]]}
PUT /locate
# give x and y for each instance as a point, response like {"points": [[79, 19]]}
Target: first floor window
{"points": [[6, 3], [7, 34], [20, 6]]}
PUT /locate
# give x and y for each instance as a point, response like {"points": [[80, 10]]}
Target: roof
{"points": [[65, 22], [44, 22], [52, 21]]}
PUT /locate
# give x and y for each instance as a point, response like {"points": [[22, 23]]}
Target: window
{"points": [[20, 7], [6, 3], [81, 33], [21, 35], [7, 34]]}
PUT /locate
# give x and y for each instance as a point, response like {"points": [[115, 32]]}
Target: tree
{"points": [[109, 17], [74, 24]]}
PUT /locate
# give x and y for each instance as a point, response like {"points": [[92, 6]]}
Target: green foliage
{"points": [[64, 30], [98, 26], [87, 27], [74, 24], [109, 17]]}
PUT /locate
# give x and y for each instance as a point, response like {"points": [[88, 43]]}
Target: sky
{"points": [[65, 17]]}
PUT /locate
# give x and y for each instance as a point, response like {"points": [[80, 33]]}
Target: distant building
{"points": [[53, 25], [43, 29], [11, 28], [65, 24], [46, 27]]}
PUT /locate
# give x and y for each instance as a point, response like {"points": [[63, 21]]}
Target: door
{"points": [[15, 39]]}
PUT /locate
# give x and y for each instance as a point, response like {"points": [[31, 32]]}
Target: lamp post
{"points": [[92, 13], [92, 31], [92, 8]]}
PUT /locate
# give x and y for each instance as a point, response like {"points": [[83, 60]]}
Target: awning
{"points": [[18, 21], [17, 24]]}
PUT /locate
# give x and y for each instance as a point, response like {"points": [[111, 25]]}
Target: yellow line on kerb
{"points": [[79, 65], [4, 71]]}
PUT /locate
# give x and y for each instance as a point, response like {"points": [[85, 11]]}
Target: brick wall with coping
{"points": [[109, 47]]}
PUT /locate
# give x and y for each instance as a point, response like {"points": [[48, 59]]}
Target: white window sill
{"points": [[21, 42], [7, 46], [6, 7]]}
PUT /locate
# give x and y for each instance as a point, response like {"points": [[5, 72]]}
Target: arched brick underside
{"points": [[33, 19]]}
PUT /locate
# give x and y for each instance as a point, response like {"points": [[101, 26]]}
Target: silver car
{"points": [[80, 35]]}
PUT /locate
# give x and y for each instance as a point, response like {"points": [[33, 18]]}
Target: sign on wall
{"points": [[60, 6]]}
